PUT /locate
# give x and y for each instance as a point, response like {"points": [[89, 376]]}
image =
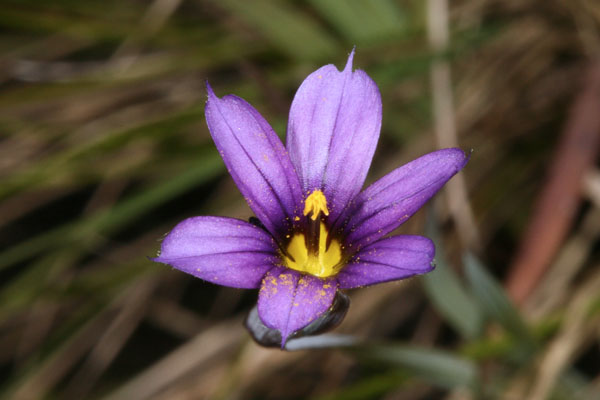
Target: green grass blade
{"points": [[285, 26], [434, 366], [447, 293], [494, 301]]}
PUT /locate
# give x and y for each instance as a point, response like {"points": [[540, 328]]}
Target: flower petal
{"points": [[390, 201], [389, 259], [225, 251], [289, 301], [332, 133], [256, 160]]}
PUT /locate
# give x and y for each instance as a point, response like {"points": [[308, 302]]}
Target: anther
{"points": [[315, 204]]}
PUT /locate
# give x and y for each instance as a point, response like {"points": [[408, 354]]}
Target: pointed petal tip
{"points": [[466, 156], [162, 260], [348, 66], [210, 93], [433, 265], [460, 156], [456, 150]]}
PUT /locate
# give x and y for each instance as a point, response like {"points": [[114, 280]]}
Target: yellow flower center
{"points": [[308, 252], [326, 262]]}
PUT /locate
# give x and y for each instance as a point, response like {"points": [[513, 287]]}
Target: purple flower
{"points": [[319, 232]]}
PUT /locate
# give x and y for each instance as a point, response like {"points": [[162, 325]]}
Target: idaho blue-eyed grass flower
{"points": [[319, 233]]}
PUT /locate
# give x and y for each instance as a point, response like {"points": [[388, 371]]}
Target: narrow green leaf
{"points": [[452, 301], [434, 366], [362, 21], [494, 300], [447, 293], [285, 26]]}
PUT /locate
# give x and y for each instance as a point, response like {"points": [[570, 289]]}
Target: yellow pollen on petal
{"points": [[315, 203], [326, 262]]}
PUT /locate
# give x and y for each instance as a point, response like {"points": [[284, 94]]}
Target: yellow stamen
{"points": [[316, 203], [327, 261]]}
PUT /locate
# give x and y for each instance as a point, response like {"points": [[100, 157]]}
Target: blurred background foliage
{"points": [[104, 148]]}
